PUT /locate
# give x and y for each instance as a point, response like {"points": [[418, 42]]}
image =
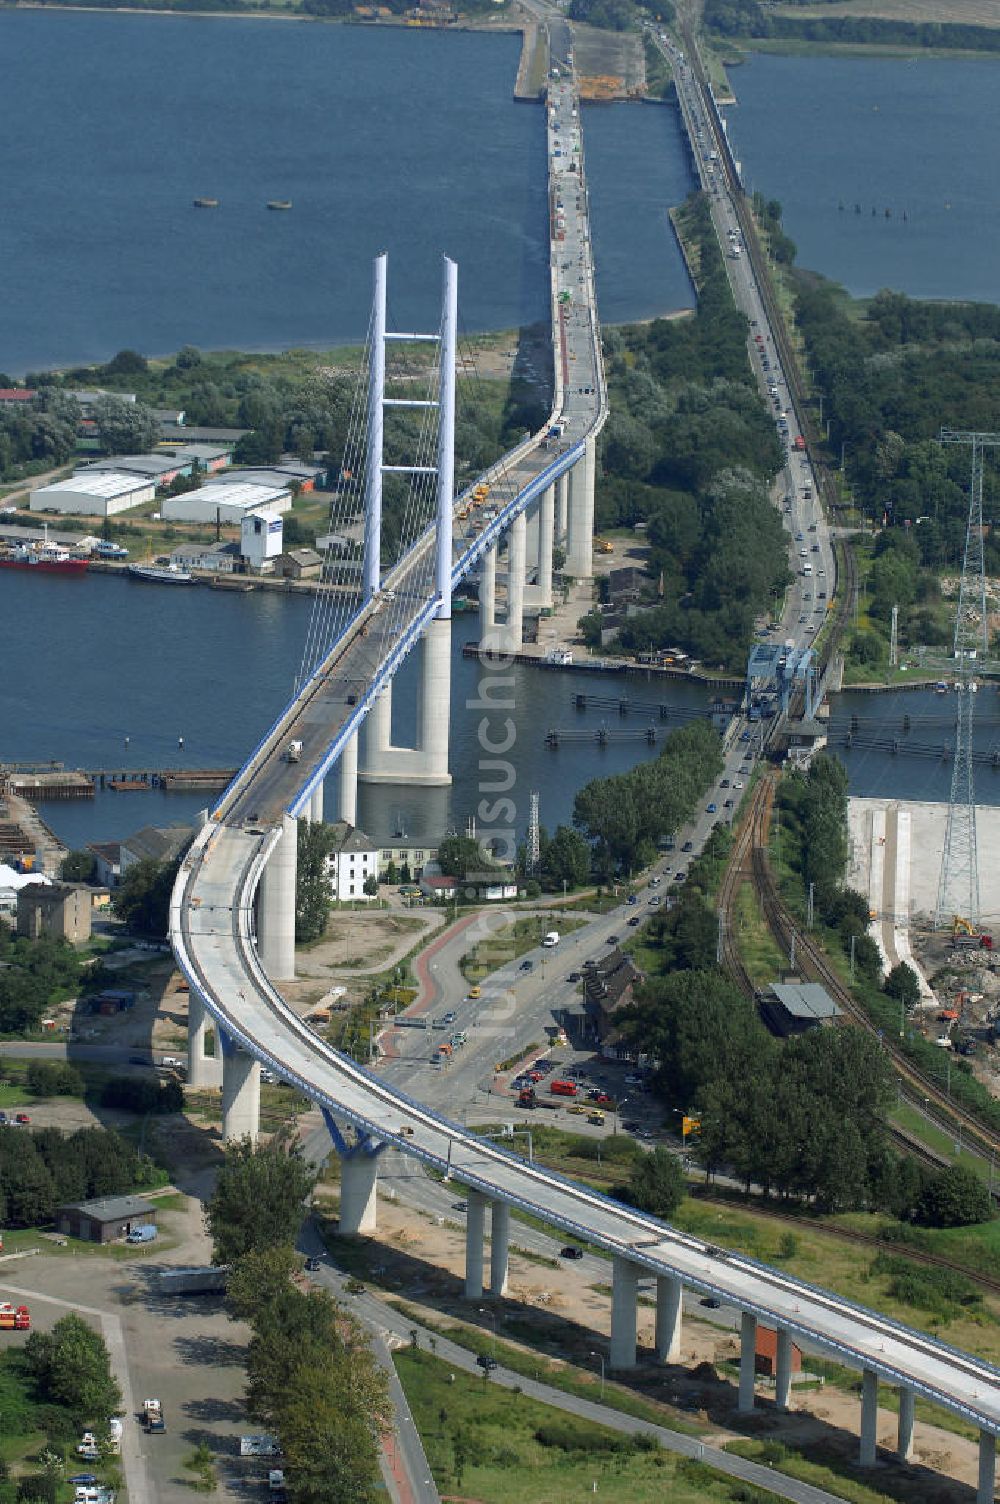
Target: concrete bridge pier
{"points": [[624, 1301], [376, 736], [904, 1441], [668, 1318], [427, 763], [276, 905], [987, 1467], [869, 1419], [475, 1229], [580, 546], [347, 792], [358, 1183], [783, 1369], [240, 1091], [203, 1070], [562, 509], [516, 563], [499, 1248], [546, 539], [748, 1361], [316, 805], [488, 592]]}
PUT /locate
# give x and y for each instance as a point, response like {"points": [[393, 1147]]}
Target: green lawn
{"points": [[813, 1467], [497, 1446]]}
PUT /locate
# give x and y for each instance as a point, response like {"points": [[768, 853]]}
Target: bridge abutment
{"points": [[276, 905]]}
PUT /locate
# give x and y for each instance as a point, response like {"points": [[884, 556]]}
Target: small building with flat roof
{"points": [[104, 1220], [792, 1007], [96, 493]]}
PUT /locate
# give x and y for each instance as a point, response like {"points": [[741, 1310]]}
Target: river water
{"points": [[396, 140], [917, 136]]}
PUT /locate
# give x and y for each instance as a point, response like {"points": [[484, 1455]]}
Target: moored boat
{"points": [[206, 203], [279, 203], [161, 574]]}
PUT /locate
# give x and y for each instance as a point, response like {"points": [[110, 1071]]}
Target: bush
{"points": [[54, 1078]]}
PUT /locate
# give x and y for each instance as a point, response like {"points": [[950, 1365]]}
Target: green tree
{"points": [[78, 867], [258, 1278], [903, 984], [656, 1184], [460, 856], [566, 858], [71, 1366], [142, 898], [125, 427], [955, 1197], [370, 885], [258, 1198], [313, 896]]}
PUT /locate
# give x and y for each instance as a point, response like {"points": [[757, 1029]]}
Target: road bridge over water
{"points": [[232, 911]]}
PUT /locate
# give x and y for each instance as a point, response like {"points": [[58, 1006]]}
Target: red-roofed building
{"points": [[10, 396]]}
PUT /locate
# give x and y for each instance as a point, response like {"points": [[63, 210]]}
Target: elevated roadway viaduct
{"points": [[232, 929]]}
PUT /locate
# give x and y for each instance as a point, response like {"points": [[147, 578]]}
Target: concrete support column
{"points": [[377, 735], [276, 905], [904, 1440], [869, 1418], [516, 561], [748, 1359], [546, 525], [987, 1467], [347, 800], [783, 1369], [668, 1318], [623, 1312], [316, 805], [562, 506], [499, 1247], [434, 708], [358, 1176], [203, 1070], [475, 1227], [488, 592], [580, 541], [240, 1094]]}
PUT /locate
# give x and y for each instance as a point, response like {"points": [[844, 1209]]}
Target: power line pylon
{"points": [[534, 836], [958, 886]]}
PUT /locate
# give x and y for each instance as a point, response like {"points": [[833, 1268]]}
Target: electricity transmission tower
{"points": [[958, 886]]}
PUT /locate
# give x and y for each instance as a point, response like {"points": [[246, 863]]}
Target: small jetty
{"points": [[40, 782], [206, 203]]}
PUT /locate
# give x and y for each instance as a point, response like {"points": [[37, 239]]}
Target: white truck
{"points": [[551, 939], [152, 1416]]}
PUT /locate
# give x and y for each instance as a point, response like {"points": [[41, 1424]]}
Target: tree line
{"points": [[751, 18], [311, 1376], [690, 450], [43, 1168], [624, 816], [33, 975]]}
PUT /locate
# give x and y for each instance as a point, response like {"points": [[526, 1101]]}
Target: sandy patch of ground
{"points": [[954, 12], [366, 941]]}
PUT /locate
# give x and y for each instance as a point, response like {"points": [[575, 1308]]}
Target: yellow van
{"points": [[475, 992]]}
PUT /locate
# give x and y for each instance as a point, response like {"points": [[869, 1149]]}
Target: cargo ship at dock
{"points": [[46, 559], [160, 574]]}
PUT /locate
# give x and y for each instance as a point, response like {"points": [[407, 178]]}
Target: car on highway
{"points": [[574, 976], [737, 783], [527, 965], [710, 1301], [449, 1017], [635, 918], [688, 846], [710, 809], [460, 1206], [571, 1252], [654, 882], [612, 940], [632, 900], [728, 804]]}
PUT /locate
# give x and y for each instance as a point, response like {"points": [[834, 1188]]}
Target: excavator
{"points": [[965, 936]]}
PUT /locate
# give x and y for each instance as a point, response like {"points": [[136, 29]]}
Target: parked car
{"points": [[571, 1252], [312, 1264]]}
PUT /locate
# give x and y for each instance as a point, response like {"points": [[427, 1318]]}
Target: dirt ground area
{"points": [[366, 941], [422, 1261], [955, 12], [617, 55]]}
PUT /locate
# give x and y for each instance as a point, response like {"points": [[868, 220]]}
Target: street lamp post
{"points": [[485, 1311], [600, 1359]]}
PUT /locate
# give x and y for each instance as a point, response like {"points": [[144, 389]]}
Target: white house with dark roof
{"points": [[353, 859]]}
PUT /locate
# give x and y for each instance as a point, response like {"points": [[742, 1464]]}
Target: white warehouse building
{"points": [[225, 502], [96, 493]]}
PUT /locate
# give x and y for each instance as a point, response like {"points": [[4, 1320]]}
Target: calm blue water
{"points": [[90, 662], [393, 140], [918, 136]]}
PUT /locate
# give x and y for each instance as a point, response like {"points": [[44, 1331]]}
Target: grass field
{"points": [[761, 956], [811, 1467], [942, 12], [512, 941]]}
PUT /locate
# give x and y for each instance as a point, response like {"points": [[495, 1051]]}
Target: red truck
{"points": [[14, 1318]]}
